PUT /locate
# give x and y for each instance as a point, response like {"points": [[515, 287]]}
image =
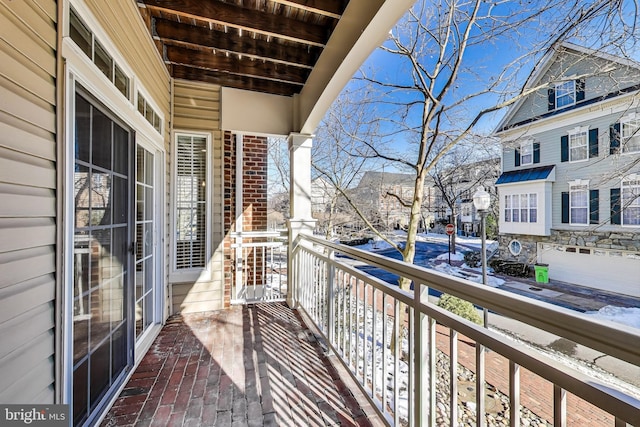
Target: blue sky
{"points": [[485, 61]]}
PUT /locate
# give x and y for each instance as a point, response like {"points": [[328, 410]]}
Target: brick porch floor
{"points": [[246, 366]]}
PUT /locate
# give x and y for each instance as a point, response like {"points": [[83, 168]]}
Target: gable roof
{"points": [[387, 178], [546, 63]]}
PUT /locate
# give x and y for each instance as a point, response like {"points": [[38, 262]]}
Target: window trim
{"points": [[572, 185], [636, 203], [510, 207], [571, 93], [635, 118], [582, 131], [529, 146], [193, 273]]}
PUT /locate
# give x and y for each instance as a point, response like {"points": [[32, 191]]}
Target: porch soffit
{"points": [[268, 46], [302, 51]]}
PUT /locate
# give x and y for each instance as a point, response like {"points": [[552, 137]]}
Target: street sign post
{"points": [[449, 229]]}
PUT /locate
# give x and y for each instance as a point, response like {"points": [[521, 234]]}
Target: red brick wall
{"points": [[254, 156]]}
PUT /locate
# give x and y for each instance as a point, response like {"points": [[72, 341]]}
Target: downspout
{"points": [[168, 234], [61, 167], [239, 215]]}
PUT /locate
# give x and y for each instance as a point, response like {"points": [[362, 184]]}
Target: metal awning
{"points": [[530, 174]]}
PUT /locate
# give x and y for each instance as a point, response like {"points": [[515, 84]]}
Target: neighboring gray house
{"points": [[570, 184], [389, 196]]}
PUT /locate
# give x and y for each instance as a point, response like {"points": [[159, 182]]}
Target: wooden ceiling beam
{"points": [[233, 64], [330, 8], [245, 19], [234, 81], [170, 31]]}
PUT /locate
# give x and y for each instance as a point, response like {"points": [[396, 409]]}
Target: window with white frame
{"points": [[88, 43], [526, 153], [630, 134], [565, 94], [578, 144], [533, 207], [631, 200], [521, 207], [191, 201], [507, 208], [579, 203]]}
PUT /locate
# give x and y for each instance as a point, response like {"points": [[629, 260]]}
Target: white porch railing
{"points": [[260, 266], [358, 314]]}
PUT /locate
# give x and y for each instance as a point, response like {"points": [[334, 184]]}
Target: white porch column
{"points": [[301, 221]]}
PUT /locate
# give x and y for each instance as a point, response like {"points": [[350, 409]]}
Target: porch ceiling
{"points": [[269, 46]]}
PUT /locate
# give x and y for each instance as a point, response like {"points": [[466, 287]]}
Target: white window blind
{"points": [[191, 203]]}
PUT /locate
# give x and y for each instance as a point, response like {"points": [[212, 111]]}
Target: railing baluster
{"points": [[433, 375], [396, 360], [412, 367], [365, 332], [351, 314], [514, 393], [331, 313], [374, 344], [453, 377], [559, 406], [480, 385], [421, 356], [383, 385]]}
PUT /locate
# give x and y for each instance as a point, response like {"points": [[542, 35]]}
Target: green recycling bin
{"points": [[542, 273]]}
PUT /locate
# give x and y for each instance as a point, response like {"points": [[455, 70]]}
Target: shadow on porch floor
{"points": [[246, 366]]}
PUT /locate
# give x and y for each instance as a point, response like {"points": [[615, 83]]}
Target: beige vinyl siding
{"points": [[27, 201], [123, 24], [196, 107]]}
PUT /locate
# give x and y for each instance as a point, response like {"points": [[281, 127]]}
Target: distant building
{"points": [[388, 196], [570, 183]]}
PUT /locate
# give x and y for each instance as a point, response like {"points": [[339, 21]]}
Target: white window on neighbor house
{"points": [[630, 134], [565, 94], [579, 203], [190, 212], [533, 207], [521, 207], [630, 200], [578, 144], [507, 208], [526, 153]]}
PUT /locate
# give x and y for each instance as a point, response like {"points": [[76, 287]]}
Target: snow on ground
{"points": [[626, 315], [451, 270]]}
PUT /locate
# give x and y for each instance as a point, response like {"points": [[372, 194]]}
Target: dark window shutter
{"points": [[579, 90], [551, 95], [565, 207], [614, 134], [594, 206], [517, 157], [564, 148], [593, 143], [615, 206], [536, 152]]}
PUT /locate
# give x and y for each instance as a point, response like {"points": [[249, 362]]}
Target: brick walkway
{"points": [[246, 366]]}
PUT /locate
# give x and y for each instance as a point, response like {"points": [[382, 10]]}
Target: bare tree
{"points": [[457, 63], [339, 156], [459, 173]]}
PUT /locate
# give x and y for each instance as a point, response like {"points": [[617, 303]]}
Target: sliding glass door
{"points": [[102, 258]]}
